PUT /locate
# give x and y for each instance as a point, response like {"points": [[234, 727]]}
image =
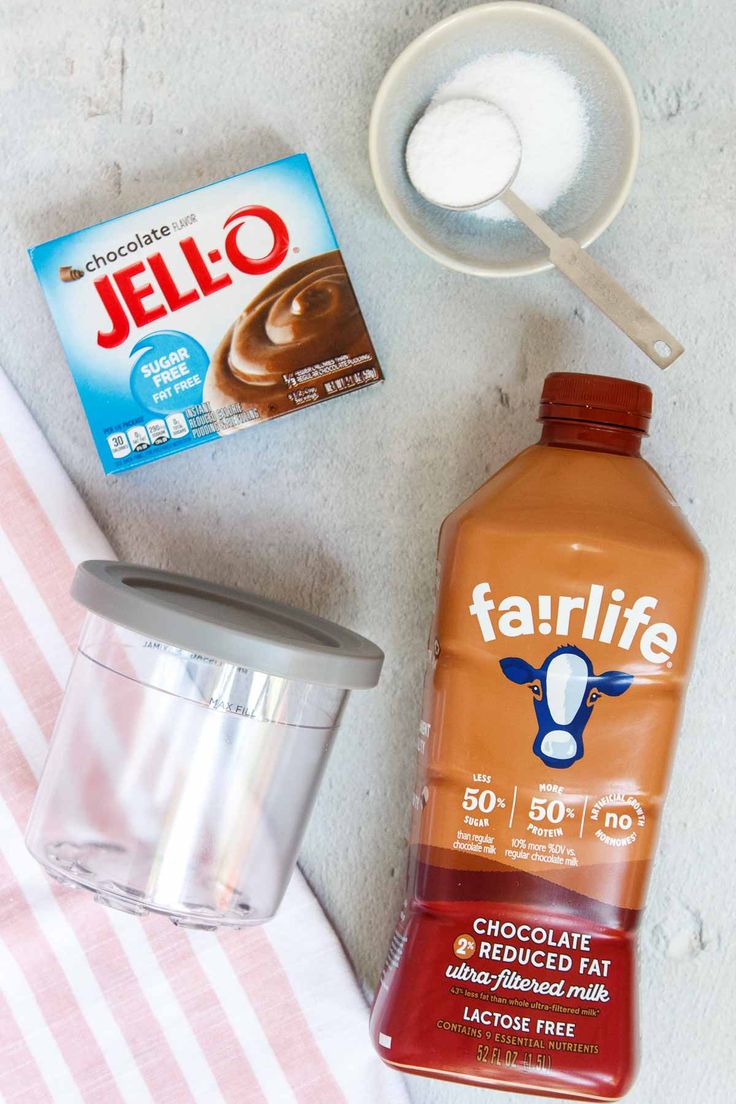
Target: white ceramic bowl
{"points": [[506, 248]]}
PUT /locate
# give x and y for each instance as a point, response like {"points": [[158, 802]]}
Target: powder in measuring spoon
{"points": [[546, 106], [462, 153]]}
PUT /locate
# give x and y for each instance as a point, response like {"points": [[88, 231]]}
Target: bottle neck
{"points": [[560, 433]]}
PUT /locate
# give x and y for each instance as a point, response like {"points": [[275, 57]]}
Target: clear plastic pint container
{"points": [[194, 731]]}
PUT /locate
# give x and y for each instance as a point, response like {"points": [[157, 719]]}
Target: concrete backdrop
{"points": [[108, 106]]}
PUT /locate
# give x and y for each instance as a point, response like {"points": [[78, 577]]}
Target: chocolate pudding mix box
{"points": [[207, 313]]}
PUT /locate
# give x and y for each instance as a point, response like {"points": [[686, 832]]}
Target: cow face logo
{"points": [[564, 689]]}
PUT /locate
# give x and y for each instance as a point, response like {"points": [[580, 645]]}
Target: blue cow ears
{"points": [[613, 683], [518, 670]]}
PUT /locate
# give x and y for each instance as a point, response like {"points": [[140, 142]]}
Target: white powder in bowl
{"points": [[462, 152], [547, 108]]}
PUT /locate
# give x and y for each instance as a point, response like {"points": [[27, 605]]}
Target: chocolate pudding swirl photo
{"points": [[303, 329]]}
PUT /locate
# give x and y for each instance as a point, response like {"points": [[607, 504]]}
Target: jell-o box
{"points": [[207, 313]]}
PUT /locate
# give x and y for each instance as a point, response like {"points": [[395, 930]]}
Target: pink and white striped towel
{"points": [[100, 1007]]}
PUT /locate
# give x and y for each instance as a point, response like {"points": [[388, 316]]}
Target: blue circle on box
{"points": [[169, 374]]}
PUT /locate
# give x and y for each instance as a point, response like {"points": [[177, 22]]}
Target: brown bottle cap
{"points": [[604, 400]]}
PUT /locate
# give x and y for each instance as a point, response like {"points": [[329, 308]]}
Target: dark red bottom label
{"points": [[509, 997]]}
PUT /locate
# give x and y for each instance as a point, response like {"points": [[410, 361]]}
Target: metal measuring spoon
{"points": [[441, 141]]}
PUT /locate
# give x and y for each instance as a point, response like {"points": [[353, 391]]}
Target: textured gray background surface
{"points": [[108, 106]]}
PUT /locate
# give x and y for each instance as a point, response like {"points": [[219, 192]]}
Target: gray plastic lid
{"points": [[227, 624]]}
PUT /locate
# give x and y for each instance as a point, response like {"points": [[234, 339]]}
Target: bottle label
{"points": [[558, 656], [546, 736], [505, 996]]}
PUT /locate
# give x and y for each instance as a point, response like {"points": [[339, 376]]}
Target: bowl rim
{"points": [[405, 58]]}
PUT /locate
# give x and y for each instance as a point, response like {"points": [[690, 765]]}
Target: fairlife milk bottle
{"points": [[569, 591]]}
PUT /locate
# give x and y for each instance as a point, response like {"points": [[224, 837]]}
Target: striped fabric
{"points": [[98, 1006]]}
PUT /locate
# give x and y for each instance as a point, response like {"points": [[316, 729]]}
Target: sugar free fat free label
{"points": [[168, 371]]}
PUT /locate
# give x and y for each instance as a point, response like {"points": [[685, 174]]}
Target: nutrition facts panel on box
{"points": [[153, 433]]}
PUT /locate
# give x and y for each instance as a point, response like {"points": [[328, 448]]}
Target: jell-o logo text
{"points": [[145, 290]]}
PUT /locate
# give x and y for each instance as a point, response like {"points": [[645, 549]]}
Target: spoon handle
{"points": [[600, 287], [608, 295]]}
